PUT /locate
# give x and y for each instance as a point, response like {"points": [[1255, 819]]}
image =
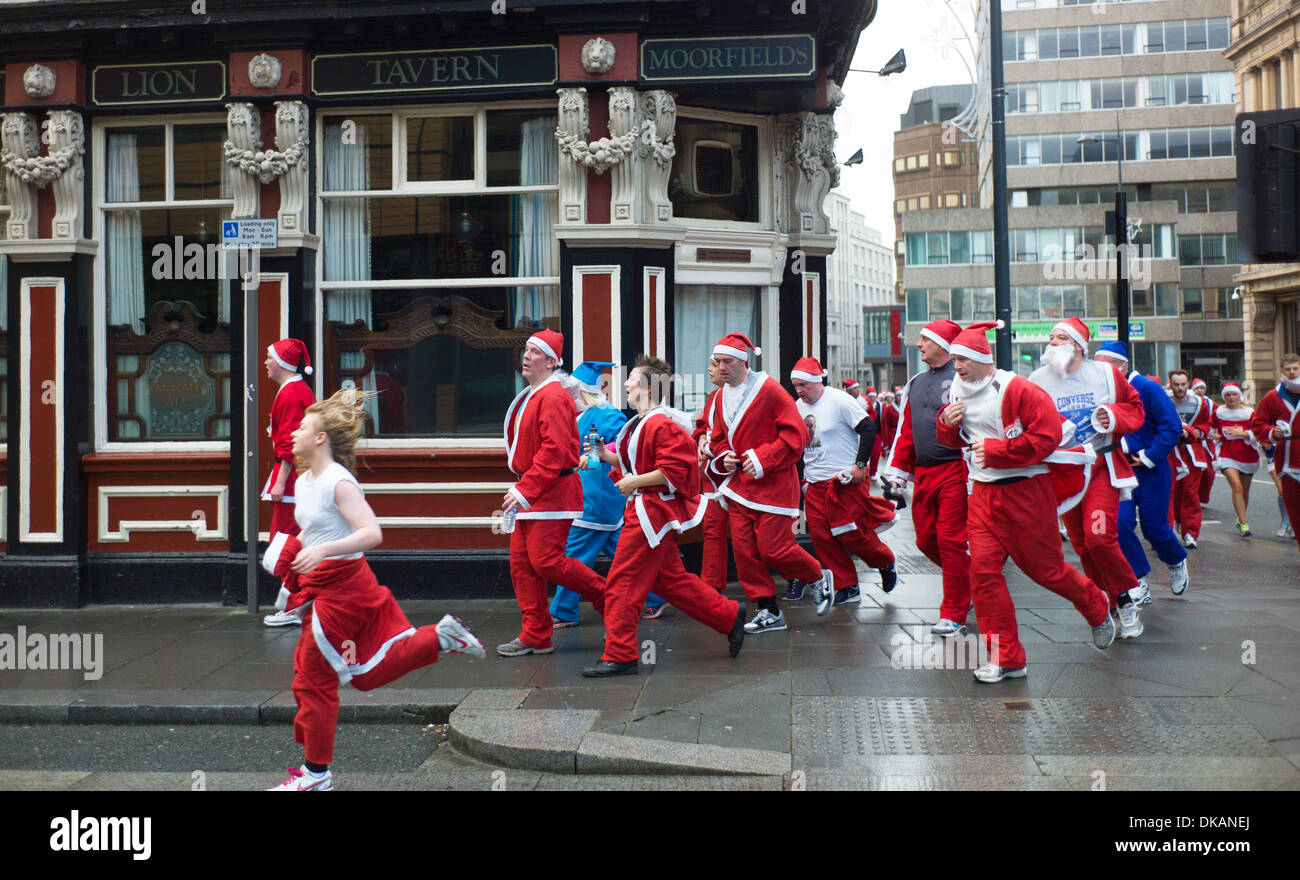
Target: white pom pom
{"points": [[999, 323], [757, 350], [307, 370], [825, 373]]}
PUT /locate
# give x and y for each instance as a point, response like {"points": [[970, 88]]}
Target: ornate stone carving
{"points": [[599, 155], [834, 94], [292, 128], [806, 145], [38, 81], [264, 71], [244, 151], [625, 176], [66, 136], [20, 142], [597, 55], [659, 114], [573, 127]]}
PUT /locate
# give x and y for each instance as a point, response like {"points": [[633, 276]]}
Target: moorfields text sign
{"points": [[782, 56], [433, 70]]}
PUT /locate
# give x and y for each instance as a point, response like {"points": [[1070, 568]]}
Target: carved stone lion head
{"points": [[597, 55], [264, 71], [38, 81]]}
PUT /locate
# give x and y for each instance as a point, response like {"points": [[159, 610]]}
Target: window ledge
{"points": [[41, 250]]}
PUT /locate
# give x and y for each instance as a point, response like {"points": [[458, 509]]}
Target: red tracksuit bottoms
{"points": [[1093, 527], [1291, 500], [1207, 484], [833, 550], [536, 558], [939, 517], [762, 540], [713, 567], [1009, 521], [1185, 505], [637, 569], [282, 518], [316, 685]]}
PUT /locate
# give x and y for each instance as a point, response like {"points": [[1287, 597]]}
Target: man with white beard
{"points": [[1103, 406], [1277, 421]]}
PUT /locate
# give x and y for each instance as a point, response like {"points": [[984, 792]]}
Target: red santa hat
{"points": [[551, 344], [736, 345], [1076, 330], [1198, 382], [291, 354], [808, 369], [850, 384], [941, 332], [973, 342], [872, 392], [1231, 386]]}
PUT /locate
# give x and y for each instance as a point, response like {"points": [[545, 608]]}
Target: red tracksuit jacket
{"points": [[1286, 453], [542, 443], [768, 431], [659, 441], [290, 404]]}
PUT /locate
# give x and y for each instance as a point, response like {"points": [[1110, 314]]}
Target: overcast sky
{"points": [[869, 115]]}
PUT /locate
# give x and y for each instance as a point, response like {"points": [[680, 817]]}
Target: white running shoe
{"points": [[1189, 541], [1103, 635], [1178, 579], [1130, 623], [947, 627], [283, 618], [1141, 594], [990, 673], [458, 639], [824, 592], [305, 780], [1281, 531], [766, 621]]}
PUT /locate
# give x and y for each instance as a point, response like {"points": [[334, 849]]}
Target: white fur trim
{"points": [[1110, 414], [754, 505], [936, 338], [519, 496], [978, 356], [1069, 331], [732, 352], [1142, 456], [550, 514], [282, 599], [840, 530], [272, 554], [541, 343], [758, 467], [807, 377]]}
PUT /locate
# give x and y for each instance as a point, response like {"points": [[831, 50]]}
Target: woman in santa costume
{"points": [[842, 515], [656, 468], [1191, 457], [1013, 430], [1277, 421], [287, 363], [1237, 450], [353, 630], [754, 451], [542, 446], [1201, 390], [1102, 406], [717, 527]]}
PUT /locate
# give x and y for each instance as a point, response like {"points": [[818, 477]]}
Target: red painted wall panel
{"points": [[45, 492]]}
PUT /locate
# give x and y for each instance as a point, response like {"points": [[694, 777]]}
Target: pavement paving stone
{"points": [[540, 739], [495, 698], [666, 724], [605, 753], [167, 706]]}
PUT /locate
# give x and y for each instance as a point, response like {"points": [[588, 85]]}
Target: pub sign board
{"points": [[433, 70], [172, 82], [707, 59]]}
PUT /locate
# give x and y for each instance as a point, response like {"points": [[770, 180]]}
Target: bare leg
{"points": [[1234, 480]]}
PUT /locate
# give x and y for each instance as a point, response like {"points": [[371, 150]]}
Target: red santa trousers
{"points": [[536, 558], [1007, 521], [939, 517], [1185, 505], [637, 569], [763, 540], [1093, 527], [713, 568], [833, 550], [282, 518], [1207, 484], [1291, 500]]}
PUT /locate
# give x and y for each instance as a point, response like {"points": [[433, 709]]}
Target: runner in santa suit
{"points": [[1012, 428], [853, 388], [1201, 390], [888, 422], [938, 472], [842, 515], [717, 527], [874, 412], [1103, 407], [1191, 457], [353, 629], [1277, 421], [754, 450], [656, 468], [1148, 449], [542, 445], [286, 364], [1237, 450]]}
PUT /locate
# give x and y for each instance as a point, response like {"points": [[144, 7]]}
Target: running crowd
{"points": [[986, 452]]}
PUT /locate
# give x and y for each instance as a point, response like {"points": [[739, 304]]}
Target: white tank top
{"points": [[317, 514]]}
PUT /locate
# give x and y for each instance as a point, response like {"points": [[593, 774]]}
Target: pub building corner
{"points": [[638, 176]]}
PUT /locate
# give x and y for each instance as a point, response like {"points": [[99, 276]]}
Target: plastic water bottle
{"points": [[508, 521], [592, 460]]}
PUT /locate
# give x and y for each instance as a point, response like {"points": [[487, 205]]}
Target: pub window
{"points": [[436, 262], [701, 315], [163, 189], [715, 174]]}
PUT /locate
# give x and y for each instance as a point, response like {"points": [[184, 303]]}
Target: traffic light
{"points": [[1268, 223]]}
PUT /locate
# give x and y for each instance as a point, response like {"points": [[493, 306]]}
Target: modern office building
{"points": [[443, 181], [1265, 53], [863, 323], [1087, 83]]}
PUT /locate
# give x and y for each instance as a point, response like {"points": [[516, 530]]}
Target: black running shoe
{"points": [[794, 589], [848, 596], [888, 578], [736, 638]]}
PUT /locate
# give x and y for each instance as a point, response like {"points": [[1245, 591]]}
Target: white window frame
{"points": [[4, 220], [404, 188], [763, 124], [99, 345]]}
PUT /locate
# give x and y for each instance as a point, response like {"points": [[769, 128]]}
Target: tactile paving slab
{"points": [[914, 563], [845, 726]]}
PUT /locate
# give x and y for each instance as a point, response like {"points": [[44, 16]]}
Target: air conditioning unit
{"points": [[713, 170]]}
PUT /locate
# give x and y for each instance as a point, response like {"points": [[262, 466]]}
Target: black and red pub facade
{"points": [[442, 180]]}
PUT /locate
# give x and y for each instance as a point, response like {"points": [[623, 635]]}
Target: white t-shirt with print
{"points": [[833, 443]]}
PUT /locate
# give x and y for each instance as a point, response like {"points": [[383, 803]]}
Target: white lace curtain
{"points": [[125, 257], [536, 214], [702, 315]]}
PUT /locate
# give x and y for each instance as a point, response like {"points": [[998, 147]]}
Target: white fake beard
{"points": [[1058, 357], [1292, 385], [966, 390]]}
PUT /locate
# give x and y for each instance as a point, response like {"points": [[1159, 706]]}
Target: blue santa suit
{"points": [[1152, 444], [602, 510]]}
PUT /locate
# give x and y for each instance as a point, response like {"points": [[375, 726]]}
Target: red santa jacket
{"points": [[768, 431], [291, 402], [1286, 453], [1033, 432], [1190, 451], [888, 426], [704, 428], [659, 441], [542, 444], [1235, 452]]}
